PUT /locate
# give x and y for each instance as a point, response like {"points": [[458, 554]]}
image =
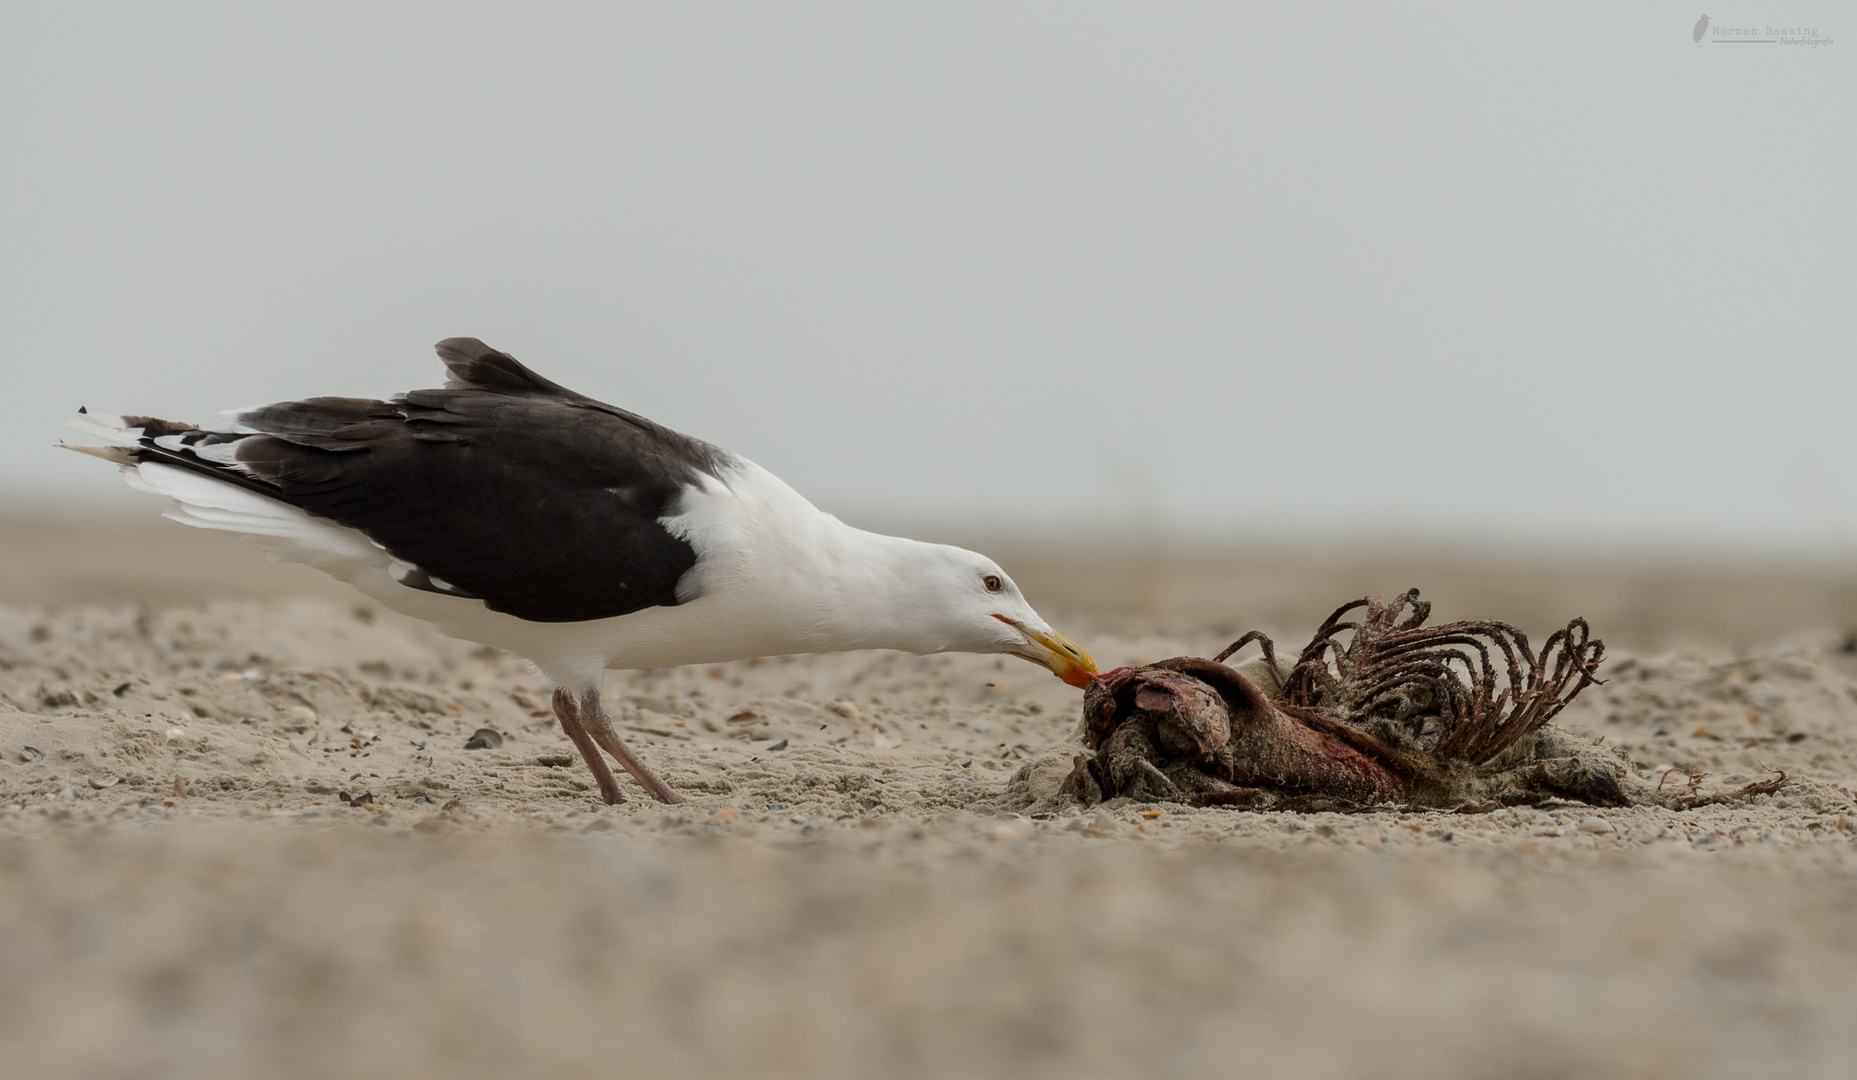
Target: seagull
{"points": [[1702, 27], [508, 510]]}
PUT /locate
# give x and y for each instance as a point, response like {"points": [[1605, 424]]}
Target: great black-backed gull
{"points": [[508, 510]]}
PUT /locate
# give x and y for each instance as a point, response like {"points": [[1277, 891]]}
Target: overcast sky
{"points": [[1546, 274]]}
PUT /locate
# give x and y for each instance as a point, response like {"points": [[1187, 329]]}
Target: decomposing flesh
{"points": [[1454, 716]]}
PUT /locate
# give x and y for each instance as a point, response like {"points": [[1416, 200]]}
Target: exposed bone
{"points": [[1383, 711]]}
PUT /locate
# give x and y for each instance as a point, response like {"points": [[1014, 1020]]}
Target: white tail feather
{"points": [[108, 428], [202, 502], [117, 454], [111, 429], [283, 530]]}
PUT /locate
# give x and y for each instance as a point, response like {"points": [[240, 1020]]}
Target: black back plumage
{"points": [[541, 502]]}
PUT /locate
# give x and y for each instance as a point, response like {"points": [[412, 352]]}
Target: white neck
{"points": [[776, 561]]}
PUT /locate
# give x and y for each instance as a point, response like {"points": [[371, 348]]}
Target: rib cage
{"points": [[1441, 685]]}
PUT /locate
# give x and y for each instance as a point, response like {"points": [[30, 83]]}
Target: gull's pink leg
{"points": [[601, 729], [569, 713]]}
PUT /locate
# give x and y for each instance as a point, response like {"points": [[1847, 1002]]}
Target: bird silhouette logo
{"points": [[1702, 27]]}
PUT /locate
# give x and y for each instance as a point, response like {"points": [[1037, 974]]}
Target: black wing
{"points": [[508, 488]]}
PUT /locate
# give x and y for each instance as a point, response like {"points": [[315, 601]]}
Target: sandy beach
{"points": [[241, 834]]}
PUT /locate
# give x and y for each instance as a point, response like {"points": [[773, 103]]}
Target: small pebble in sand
{"points": [[484, 739]]}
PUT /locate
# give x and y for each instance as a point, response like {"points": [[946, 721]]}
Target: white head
{"points": [[947, 599]]}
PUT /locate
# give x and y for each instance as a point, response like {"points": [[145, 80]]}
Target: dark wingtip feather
{"points": [[155, 426], [476, 366]]}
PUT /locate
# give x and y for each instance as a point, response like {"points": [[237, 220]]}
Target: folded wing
{"points": [[503, 486]]}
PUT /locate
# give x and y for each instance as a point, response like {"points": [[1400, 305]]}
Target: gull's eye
{"points": [[993, 583]]}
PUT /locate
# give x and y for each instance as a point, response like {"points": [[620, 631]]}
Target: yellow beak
{"points": [[1066, 659]]}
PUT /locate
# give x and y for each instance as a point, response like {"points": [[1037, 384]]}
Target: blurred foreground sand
{"points": [[183, 891]]}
